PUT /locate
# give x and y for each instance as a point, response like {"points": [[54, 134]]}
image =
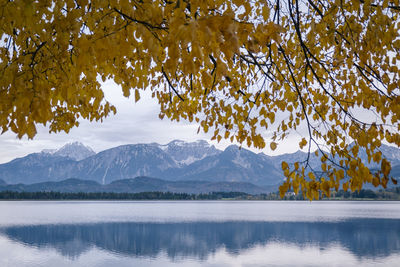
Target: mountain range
{"points": [[175, 161], [136, 185]]}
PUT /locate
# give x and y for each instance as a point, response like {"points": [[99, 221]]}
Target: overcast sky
{"points": [[133, 123]]}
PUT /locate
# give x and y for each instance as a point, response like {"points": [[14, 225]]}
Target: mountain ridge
{"points": [[74, 150], [137, 185], [175, 161]]}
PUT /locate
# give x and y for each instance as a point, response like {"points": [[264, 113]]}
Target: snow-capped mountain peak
{"points": [[185, 153], [73, 150]]}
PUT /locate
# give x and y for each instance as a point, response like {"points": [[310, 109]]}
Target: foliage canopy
{"points": [[233, 66]]}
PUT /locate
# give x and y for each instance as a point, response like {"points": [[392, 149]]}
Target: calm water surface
{"points": [[199, 233]]}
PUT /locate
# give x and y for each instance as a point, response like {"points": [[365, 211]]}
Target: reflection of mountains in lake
{"points": [[362, 237]]}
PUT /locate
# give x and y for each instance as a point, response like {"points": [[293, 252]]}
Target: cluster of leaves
{"points": [[233, 66]]}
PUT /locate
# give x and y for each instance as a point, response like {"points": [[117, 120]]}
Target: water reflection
{"points": [[364, 238]]}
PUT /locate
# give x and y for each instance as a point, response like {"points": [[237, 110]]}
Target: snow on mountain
{"points": [[124, 162], [291, 158], [74, 150], [49, 151], [391, 153], [177, 160], [36, 167], [185, 153], [231, 165]]}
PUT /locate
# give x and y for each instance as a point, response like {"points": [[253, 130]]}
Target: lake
{"points": [[199, 233]]}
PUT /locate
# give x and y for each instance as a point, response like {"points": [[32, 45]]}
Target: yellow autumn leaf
{"points": [[386, 167], [273, 145], [303, 143], [285, 166], [137, 95]]}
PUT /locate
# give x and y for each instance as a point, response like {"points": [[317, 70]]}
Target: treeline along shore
{"points": [[365, 194]]}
